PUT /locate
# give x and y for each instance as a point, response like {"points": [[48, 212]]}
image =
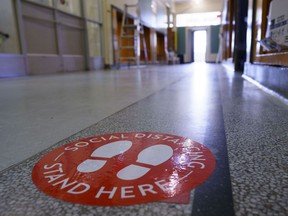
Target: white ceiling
{"points": [[181, 0], [197, 6]]}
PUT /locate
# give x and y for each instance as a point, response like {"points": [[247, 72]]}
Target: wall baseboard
{"points": [[44, 64], [271, 77], [96, 63], [12, 65]]}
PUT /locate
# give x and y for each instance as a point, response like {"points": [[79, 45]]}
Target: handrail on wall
{"points": [[3, 37], [2, 34]]}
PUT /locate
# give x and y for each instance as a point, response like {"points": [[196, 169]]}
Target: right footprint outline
{"points": [[132, 171]]}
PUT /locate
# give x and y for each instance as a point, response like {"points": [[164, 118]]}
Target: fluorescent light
{"points": [[198, 19]]}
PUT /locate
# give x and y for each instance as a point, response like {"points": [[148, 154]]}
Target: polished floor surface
{"points": [[244, 127]]}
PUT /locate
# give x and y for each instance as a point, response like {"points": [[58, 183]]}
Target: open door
{"points": [[145, 36], [161, 49], [199, 45]]}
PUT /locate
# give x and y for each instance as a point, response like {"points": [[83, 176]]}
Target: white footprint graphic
{"points": [[107, 151], [153, 155]]}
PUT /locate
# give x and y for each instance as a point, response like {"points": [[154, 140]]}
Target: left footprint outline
{"points": [[108, 151]]}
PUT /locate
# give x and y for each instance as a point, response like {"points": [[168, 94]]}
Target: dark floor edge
{"points": [[219, 184]]}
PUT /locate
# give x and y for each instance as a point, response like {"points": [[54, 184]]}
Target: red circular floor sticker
{"points": [[123, 169]]}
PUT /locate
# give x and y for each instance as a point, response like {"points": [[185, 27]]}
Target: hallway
{"points": [[244, 128]]}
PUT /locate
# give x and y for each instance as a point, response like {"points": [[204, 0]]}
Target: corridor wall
{"points": [[11, 61], [152, 14], [50, 36]]}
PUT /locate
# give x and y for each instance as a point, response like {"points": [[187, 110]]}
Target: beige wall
{"points": [[70, 6], [8, 26], [90, 7], [93, 10], [94, 39]]}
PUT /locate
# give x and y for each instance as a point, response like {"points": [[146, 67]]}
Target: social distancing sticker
{"points": [[123, 169]]}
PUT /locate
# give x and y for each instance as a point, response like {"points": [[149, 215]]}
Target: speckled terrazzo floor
{"points": [[208, 105], [257, 137]]}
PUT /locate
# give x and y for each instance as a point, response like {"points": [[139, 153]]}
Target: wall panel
{"points": [[40, 36]]}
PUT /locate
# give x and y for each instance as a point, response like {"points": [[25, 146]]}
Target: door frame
{"points": [[189, 32]]}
